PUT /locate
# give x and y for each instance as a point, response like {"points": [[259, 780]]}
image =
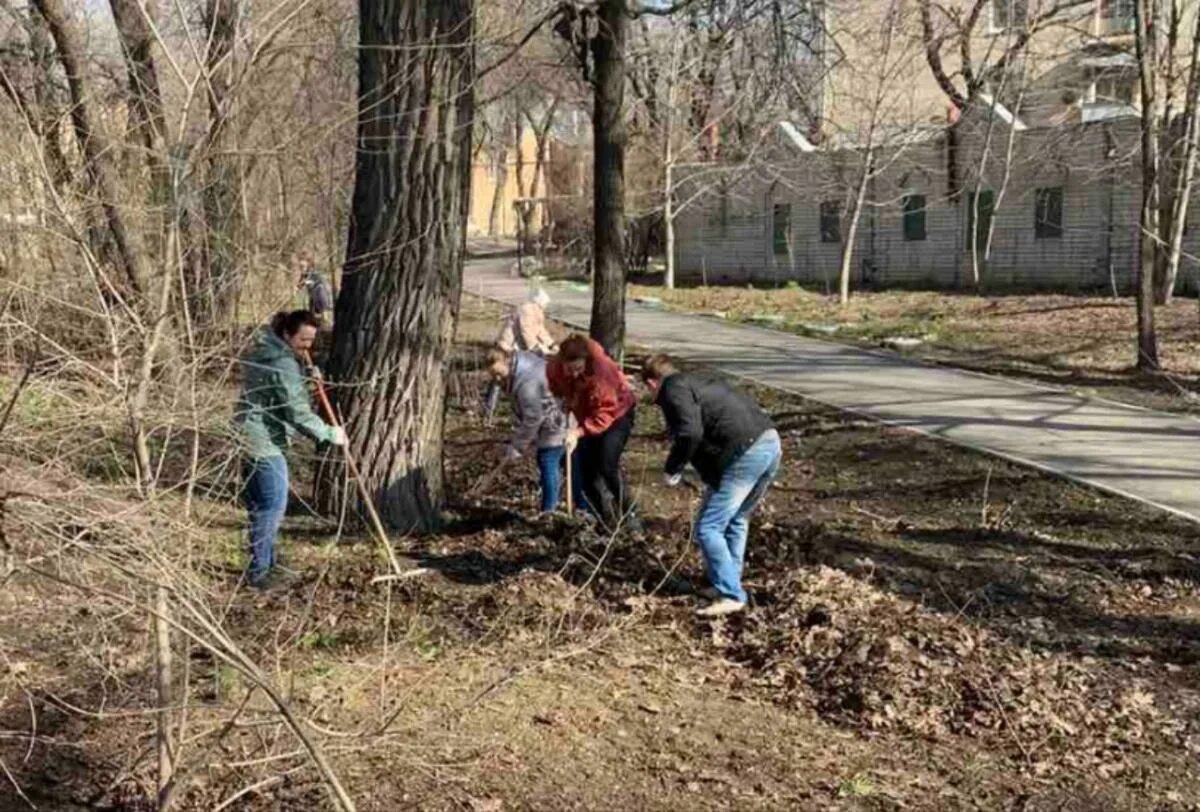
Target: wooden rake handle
{"points": [[376, 523]]}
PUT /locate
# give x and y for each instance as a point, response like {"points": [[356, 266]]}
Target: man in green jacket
{"points": [[274, 405]]}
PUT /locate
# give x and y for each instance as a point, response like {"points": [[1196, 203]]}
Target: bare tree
{"points": [[403, 274]]}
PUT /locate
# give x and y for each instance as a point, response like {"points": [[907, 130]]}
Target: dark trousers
{"points": [[604, 484]]}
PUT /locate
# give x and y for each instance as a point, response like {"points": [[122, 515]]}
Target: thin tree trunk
{"points": [[222, 189], [163, 679], [498, 194], [147, 125], [860, 196], [1187, 171], [399, 301], [1147, 53], [97, 152], [608, 195], [46, 120]]}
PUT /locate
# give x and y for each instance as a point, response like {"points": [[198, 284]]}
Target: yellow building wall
{"points": [[486, 182]]}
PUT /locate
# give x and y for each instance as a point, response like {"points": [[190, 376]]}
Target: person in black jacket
{"points": [[734, 447]]}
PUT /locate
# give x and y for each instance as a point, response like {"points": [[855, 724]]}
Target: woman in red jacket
{"points": [[594, 389]]}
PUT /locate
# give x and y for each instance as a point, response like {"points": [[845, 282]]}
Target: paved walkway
{"points": [[1145, 455]]}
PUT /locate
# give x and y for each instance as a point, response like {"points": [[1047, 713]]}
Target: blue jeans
{"points": [[724, 521], [266, 496], [550, 466]]}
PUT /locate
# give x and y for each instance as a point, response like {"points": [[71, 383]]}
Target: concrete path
{"points": [[1150, 456]]}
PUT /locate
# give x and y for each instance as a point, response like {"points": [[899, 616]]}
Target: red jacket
{"points": [[599, 397]]}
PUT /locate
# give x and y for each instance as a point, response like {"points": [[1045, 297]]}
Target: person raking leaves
{"points": [[735, 448], [595, 391], [540, 421], [273, 406]]}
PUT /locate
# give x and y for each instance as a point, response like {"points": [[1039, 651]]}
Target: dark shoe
{"points": [[275, 579]]}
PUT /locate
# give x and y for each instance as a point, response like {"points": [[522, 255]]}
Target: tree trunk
{"points": [[1147, 54], [1187, 171], [222, 188], [97, 152], [46, 120], [147, 125], [608, 195], [498, 195], [860, 196], [399, 302], [669, 228]]}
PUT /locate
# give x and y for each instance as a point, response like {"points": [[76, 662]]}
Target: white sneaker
{"points": [[721, 608]]}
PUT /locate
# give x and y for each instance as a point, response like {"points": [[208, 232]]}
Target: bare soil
{"points": [[1084, 343], [932, 629]]}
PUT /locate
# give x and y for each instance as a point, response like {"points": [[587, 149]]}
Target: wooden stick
{"points": [[570, 483], [376, 522]]}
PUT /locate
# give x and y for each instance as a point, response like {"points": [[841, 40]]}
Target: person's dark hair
{"points": [[574, 348], [288, 324], [658, 367]]}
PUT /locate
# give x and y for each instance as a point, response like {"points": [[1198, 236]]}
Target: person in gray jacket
{"points": [[541, 423]]}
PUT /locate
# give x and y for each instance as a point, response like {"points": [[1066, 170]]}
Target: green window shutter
{"points": [[914, 218]]}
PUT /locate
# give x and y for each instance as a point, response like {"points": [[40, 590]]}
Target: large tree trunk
{"points": [[399, 302], [222, 188], [97, 152], [608, 196]]}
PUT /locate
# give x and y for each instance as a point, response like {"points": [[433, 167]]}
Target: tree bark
{"points": [[147, 125], [403, 277], [608, 195], [1186, 173], [46, 120], [97, 152], [1147, 54], [222, 188], [500, 160], [860, 196]]}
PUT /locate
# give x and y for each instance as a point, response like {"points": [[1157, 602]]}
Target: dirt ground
{"points": [[932, 630], [1085, 343]]}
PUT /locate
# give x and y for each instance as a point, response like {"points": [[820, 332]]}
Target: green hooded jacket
{"points": [[274, 403]]}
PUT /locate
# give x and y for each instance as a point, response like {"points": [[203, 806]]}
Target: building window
{"points": [[1115, 89], [981, 205], [1048, 213], [1009, 15], [1117, 16], [831, 221], [914, 218], [781, 228]]}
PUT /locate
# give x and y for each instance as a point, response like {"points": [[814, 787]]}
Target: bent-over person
{"points": [[728, 439]]}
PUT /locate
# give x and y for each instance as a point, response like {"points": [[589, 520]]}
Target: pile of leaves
{"points": [[879, 662]]}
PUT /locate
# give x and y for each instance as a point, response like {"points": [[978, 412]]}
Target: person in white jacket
{"points": [[524, 330]]}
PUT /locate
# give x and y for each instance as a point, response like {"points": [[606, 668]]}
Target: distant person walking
{"points": [[320, 294], [273, 406], [594, 389], [735, 448], [540, 423], [524, 330]]}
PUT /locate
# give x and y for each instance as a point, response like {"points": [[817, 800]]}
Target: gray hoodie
{"points": [[540, 421]]}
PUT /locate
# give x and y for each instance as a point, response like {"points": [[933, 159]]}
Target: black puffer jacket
{"points": [[710, 422]]}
